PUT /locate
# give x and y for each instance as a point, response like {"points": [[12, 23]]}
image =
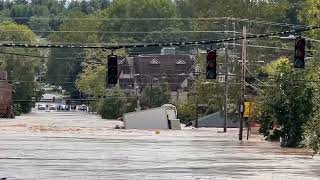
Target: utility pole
{"points": [[151, 92], [197, 104], [226, 72], [243, 82]]}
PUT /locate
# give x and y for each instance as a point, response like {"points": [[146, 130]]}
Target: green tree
{"points": [[20, 13], [65, 64], [312, 130], [22, 67], [136, 9], [92, 79], [155, 96], [186, 111], [288, 102], [309, 15], [114, 105], [40, 10], [40, 25], [93, 76]]}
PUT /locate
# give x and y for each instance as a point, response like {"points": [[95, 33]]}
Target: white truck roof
{"points": [[155, 118]]}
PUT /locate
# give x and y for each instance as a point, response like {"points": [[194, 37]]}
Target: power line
{"points": [[256, 78], [114, 47], [261, 77], [80, 59], [254, 87], [122, 32], [169, 19]]}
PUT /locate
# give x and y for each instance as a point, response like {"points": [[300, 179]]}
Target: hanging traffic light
{"points": [[112, 76], [212, 64], [300, 53]]}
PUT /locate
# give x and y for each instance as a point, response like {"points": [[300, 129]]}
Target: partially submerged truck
{"points": [[164, 117], [6, 97]]}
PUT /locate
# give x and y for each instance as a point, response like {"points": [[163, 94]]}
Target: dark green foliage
{"points": [[288, 103], [156, 96], [114, 105], [63, 71], [20, 69], [186, 112]]}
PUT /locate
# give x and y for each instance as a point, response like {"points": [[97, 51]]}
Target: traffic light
{"points": [[212, 64], [300, 53], [112, 77]]}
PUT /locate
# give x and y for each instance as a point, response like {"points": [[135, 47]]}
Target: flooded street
{"points": [[73, 145]]}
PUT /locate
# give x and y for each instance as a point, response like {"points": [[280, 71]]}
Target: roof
{"points": [[173, 69]]}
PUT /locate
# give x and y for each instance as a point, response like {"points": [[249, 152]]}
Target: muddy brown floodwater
{"points": [[73, 145]]}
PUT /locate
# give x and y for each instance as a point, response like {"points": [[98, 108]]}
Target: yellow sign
{"points": [[248, 109]]}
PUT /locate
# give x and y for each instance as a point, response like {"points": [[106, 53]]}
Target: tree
{"points": [[22, 68], [20, 13], [136, 9], [186, 112], [39, 25], [312, 130], [40, 10], [155, 96], [65, 64], [288, 102], [309, 15], [211, 93], [114, 105], [93, 76], [92, 79]]}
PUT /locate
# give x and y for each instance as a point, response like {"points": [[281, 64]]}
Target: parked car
{"points": [[41, 107], [82, 107], [62, 107], [73, 107], [52, 107]]}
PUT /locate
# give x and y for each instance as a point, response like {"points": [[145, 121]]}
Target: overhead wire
{"points": [[114, 47], [234, 75], [122, 32], [247, 69], [169, 19], [248, 84]]}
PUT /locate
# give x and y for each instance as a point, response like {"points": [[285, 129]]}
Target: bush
{"points": [[114, 105], [186, 112], [18, 109]]}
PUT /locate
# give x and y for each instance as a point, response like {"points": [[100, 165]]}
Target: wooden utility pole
{"points": [[197, 118], [226, 72], [243, 82]]}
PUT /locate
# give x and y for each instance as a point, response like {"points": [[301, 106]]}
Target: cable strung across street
{"points": [[125, 46]]}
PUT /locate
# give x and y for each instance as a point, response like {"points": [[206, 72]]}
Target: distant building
{"points": [[175, 69]]}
